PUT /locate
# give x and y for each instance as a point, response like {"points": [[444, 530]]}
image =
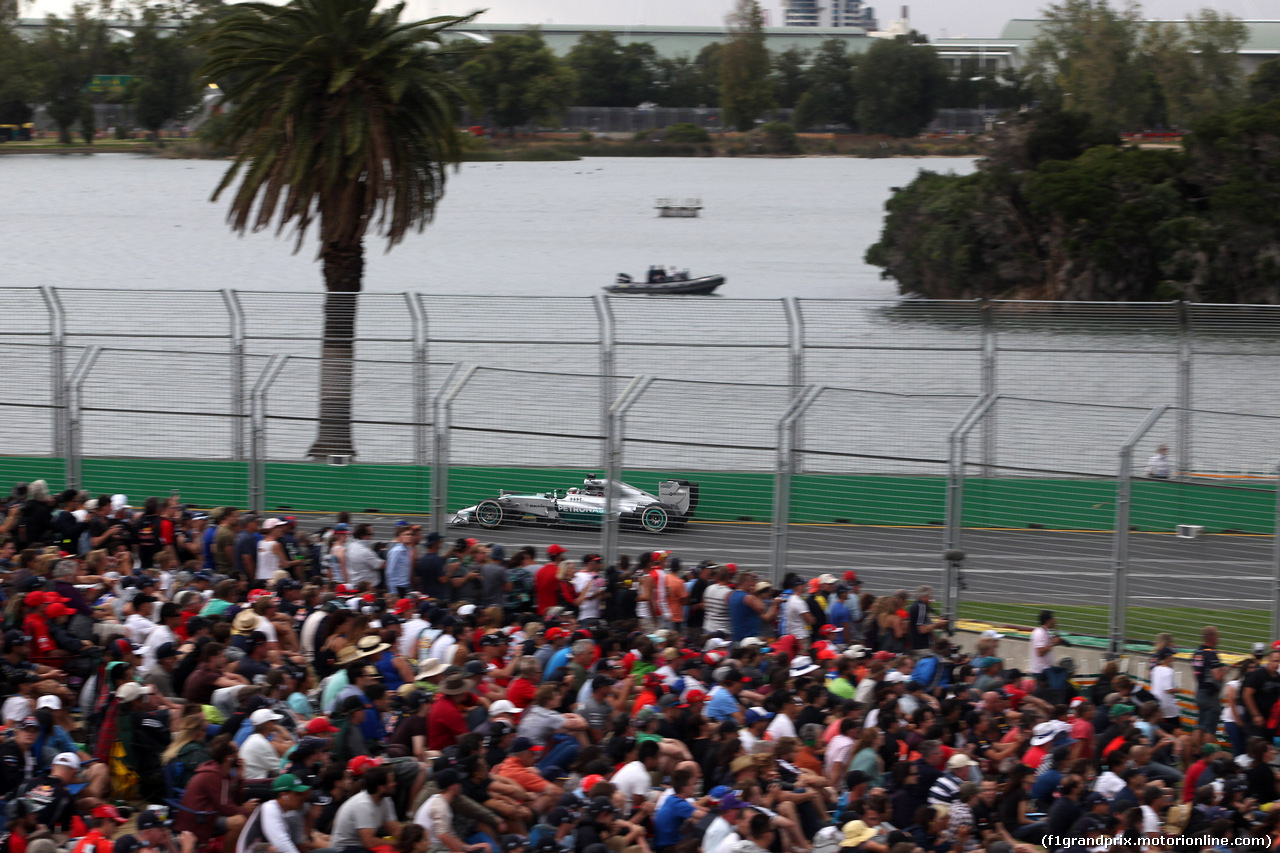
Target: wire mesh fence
{"points": [[821, 434]]}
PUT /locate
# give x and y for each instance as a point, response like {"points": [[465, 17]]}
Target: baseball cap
{"points": [[992, 634], [53, 703], [263, 715], [360, 763], [67, 759], [503, 706], [320, 726], [1093, 798], [511, 841], [151, 819], [522, 744], [273, 523], [289, 782], [106, 811], [1120, 709], [958, 760], [555, 550], [129, 691], [127, 844]]}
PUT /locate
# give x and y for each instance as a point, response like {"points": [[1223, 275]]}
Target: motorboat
{"points": [[668, 286]]}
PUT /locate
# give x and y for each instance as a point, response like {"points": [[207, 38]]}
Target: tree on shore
{"points": [[746, 92], [518, 80], [341, 116], [898, 86], [68, 53]]}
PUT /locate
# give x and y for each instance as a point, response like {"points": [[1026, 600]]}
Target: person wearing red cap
{"points": [[546, 582], [42, 648], [106, 823]]}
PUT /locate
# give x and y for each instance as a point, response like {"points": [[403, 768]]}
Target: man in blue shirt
{"points": [[399, 563], [723, 703], [675, 810]]}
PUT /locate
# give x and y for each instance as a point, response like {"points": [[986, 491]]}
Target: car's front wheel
{"points": [[488, 514], [654, 519]]}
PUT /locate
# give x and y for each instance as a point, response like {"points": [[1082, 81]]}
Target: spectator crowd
{"points": [[183, 680]]}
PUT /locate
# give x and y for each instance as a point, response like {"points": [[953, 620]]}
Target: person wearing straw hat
{"points": [[856, 833], [445, 722]]}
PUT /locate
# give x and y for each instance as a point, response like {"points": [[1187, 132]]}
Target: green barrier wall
{"points": [[816, 498]]}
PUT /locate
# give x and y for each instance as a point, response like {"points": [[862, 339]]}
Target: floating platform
{"points": [[678, 208]]}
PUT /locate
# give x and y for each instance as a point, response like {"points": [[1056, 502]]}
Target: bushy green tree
{"points": [[833, 97], [166, 64], [18, 83], [67, 53], [790, 76], [611, 74], [1264, 84], [518, 80], [745, 90], [898, 87], [685, 82]]}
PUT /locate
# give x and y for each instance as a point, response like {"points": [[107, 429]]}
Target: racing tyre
{"points": [[488, 514], [654, 519]]}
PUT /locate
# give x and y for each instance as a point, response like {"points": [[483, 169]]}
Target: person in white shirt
{"points": [[436, 815], [262, 749], [729, 809], [783, 723], [1042, 642], [796, 610], [362, 563], [1158, 466], [590, 588], [1164, 685], [139, 624], [170, 618], [411, 630], [271, 555], [276, 820], [633, 780]]}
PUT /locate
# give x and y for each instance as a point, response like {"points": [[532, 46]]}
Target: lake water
{"points": [[774, 227]]}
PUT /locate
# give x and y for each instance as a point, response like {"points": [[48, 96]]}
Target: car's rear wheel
{"points": [[654, 519], [488, 514]]}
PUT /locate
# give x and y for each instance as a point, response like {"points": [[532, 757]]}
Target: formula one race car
{"points": [[674, 504]]}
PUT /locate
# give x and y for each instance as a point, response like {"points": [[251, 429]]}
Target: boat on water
{"points": [[700, 286]]}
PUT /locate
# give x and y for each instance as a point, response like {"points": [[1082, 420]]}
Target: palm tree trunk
{"points": [[343, 272]]}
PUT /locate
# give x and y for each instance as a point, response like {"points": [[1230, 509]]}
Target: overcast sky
{"points": [[955, 18]]}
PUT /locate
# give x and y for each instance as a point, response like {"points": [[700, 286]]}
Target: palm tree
{"points": [[340, 113]]}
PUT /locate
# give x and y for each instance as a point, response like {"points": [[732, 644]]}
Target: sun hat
{"points": [[958, 760], [431, 669], [245, 622], [455, 685], [802, 665], [856, 833]]}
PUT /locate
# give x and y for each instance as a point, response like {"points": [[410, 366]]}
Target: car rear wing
{"points": [[680, 494]]}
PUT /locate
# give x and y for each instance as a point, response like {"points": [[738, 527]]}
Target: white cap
{"points": [[503, 706], [119, 502], [715, 643], [67, 759], [466, 610], [263, 715], [53, 703], [129, 691], [959, 760], [823, 579], [272, 523], [992, 634]]}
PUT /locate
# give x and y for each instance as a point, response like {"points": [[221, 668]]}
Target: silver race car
{"points": [[673, 505]]}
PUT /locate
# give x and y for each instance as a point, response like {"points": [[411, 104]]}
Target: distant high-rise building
{"points": [[828, 13]]}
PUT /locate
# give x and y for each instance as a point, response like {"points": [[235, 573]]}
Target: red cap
{"points": [[589, 782], [361, 763], [556, 633], [732, 567], [850, 576], [369, 597], [695, 696], [1275, 645], [35, 599], [107, 811], [1015, 696], [344, 589], [404, 605], [827, 654], [883, 655], [828, 630], [320, 726], [713, 658], [785, 645], [53, 611], [260, 593], [555, 550], [471, 543]]}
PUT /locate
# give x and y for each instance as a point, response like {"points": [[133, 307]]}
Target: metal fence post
{"points": [[235, 318], [75, 426], [786, 466], [258, 432], [57, 368], [957, 442], [441, 408], [421, 395], [614, 436], [1120, 545], [1275, 564], [1182, 457], [990, 356], [604, 316]]}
